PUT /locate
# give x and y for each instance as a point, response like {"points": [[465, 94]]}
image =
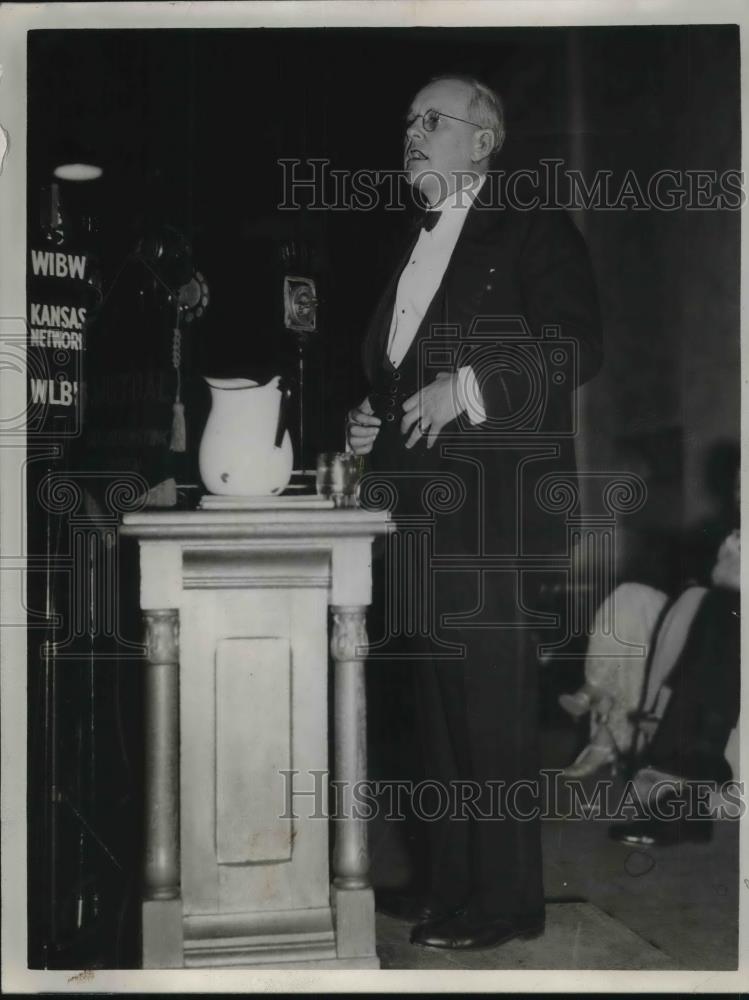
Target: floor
{"points": [[577, 936], [609, 906], [681, 899]]}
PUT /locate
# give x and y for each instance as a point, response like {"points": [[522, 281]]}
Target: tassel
{"points": [[179, 434]]}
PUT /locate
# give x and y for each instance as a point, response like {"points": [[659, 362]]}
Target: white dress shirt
{"points": [[420, 279]]}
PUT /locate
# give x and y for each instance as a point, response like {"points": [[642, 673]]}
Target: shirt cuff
{"points": [[470, 399]]}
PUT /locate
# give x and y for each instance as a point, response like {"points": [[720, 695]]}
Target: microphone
{"points": [[193, 297]]}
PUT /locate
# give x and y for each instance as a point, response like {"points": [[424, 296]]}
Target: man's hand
{"points": [[427, 411], [362, 427]]}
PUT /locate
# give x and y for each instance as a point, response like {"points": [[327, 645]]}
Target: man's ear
{"points": [[483, 143]]}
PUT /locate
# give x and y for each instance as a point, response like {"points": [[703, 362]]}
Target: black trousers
{"points": [[466, 726], [704, 705]]}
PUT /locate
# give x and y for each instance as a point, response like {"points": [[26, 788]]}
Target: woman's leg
{"points": [[616, 659]]}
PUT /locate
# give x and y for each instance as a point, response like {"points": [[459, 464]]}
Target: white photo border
{"points": [[15, 21]]}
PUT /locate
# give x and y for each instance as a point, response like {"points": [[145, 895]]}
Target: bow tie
{"points": [[429, 219]]}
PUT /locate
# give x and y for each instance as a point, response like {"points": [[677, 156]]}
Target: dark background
{"points": [[189, 127]]}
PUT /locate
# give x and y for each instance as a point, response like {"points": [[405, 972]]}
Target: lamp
{"points": [[77, 172], [75, 160], [69, 202]]}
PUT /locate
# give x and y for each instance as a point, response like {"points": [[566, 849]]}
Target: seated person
{"points": [[634, 613], [703, 709], [614, 671]]}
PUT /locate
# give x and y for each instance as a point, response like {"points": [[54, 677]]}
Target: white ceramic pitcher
{"points": [[245, 449]]}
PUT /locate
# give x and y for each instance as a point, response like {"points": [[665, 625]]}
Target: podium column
{"points": [[351, 892], [162, 905]]}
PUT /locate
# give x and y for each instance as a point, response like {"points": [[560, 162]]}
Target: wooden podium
{"points": [[235, 603]]}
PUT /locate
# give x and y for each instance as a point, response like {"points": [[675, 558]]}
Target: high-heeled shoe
{"points": [[590, 760], [578, 703]]}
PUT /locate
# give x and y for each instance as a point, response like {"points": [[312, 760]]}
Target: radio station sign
{"points": [[61, 294]]}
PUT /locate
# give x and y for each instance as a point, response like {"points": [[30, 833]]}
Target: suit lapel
{"points": [[483, 217], [452, 302]]}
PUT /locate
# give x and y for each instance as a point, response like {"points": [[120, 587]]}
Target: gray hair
{"points": [[485, 107]]}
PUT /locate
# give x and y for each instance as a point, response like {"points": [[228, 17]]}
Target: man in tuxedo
{"points": [[488, 324]]}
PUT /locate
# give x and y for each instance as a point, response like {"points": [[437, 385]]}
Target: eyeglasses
{"points": [[431, 117]]}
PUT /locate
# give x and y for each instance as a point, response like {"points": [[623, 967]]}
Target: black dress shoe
{"points": [[463, 932], [653, 832], [414, 909]]}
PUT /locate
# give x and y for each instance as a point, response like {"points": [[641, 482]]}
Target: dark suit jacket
{"points": [[518, 303]]}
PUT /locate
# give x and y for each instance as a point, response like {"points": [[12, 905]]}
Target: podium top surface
{"points": [[271, 517]]}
